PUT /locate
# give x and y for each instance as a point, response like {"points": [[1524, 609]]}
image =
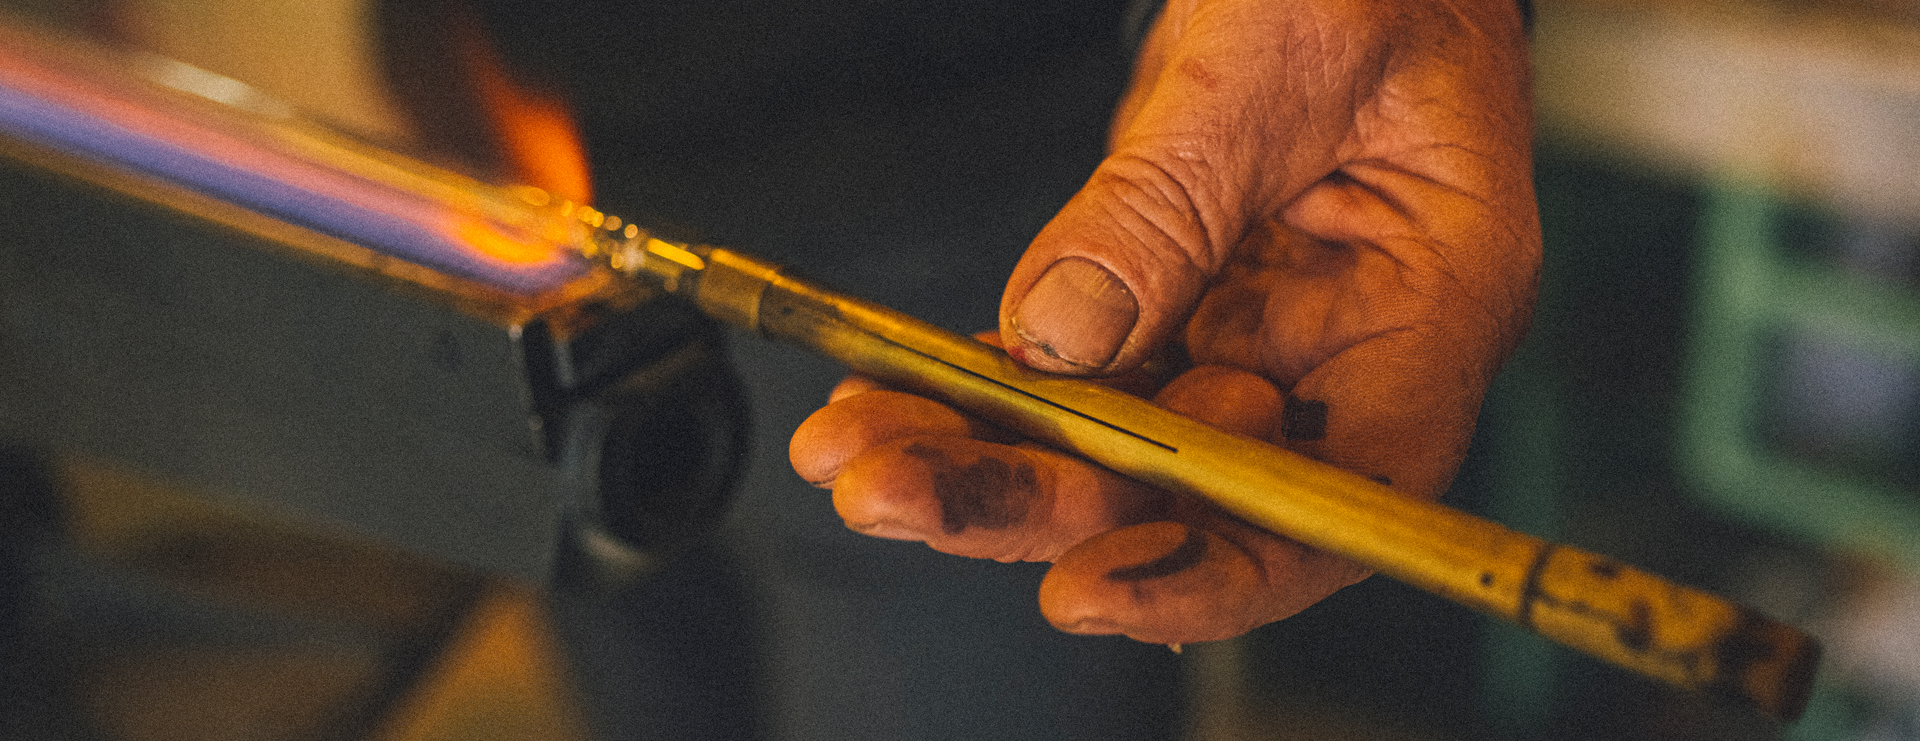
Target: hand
{"points": [[1329, 206]]}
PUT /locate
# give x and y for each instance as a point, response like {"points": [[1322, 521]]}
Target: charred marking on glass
{"points": [[1766, 664], [1636, 634], [1530, 588]]}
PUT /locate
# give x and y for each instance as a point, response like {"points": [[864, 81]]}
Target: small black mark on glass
{"points": [[1187, 555], [1637, 633], [1530, 585]]}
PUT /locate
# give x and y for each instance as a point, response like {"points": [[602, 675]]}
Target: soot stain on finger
{"points": [[1303, 419], [988, 493], [1187, 555]]}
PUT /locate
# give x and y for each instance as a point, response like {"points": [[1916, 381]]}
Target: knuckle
{"points": [[1171, 200]]}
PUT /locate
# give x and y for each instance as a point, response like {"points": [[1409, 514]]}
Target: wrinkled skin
{"points": [[1329, 206]]}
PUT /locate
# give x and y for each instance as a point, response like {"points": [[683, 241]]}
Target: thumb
{"points": [[1122, 266], [1202, 151], [1108, 280]]}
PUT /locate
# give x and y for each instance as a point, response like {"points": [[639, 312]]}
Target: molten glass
{"points": [[276, 165]]}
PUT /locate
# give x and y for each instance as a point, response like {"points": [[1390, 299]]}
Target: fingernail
{"points": [[1077, 312], [885, 529], [1092, 626]]}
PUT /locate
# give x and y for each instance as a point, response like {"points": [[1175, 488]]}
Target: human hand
{"points": [[1329, 207]]}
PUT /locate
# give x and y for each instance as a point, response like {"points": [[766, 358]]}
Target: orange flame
{"points": [[537, 132], [490, 240]]}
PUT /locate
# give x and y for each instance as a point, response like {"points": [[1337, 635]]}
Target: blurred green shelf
{"points": [[1751, 292]]}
